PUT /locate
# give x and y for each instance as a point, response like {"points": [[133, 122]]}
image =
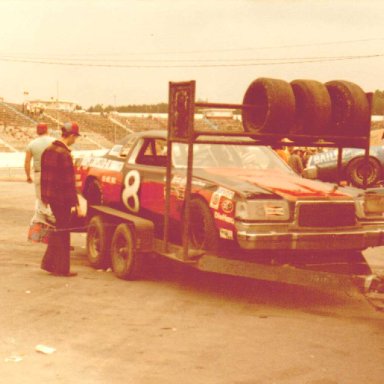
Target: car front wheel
{"points": [[203, 233]]}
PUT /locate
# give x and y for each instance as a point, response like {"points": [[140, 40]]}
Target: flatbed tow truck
{"points": [[134, 236]]}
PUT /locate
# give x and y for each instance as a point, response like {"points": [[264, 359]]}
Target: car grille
{"points": [[326, 214]]}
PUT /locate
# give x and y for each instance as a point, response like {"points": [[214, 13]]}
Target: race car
{"points": [[323, 166], [242, 195]]}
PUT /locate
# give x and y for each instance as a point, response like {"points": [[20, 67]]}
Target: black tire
{"points": [[313, 107], [203, 233], [351, 112], [93, 193], [127, 263], [274, 110], [99, 242], [355, 172]]}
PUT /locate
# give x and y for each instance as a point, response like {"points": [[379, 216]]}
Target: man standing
{"points": [[59, 191], [34, 150], [295, 160]]}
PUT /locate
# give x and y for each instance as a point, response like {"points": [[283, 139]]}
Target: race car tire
{"points": [[127, 263], [99, 235], [350, 109], [203, 233], [93, 193], [313, 107], [274, 109], [355, 172]]}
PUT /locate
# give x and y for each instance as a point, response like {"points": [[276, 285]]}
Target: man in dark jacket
{"points": [[58, 189], [295, 160]]}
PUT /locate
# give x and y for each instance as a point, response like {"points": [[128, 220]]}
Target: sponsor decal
{"points": [[108, 179], [222, 217], [226, 193], [179, 193], [331, 156], [227, 206], [226, 234], [182, 181], [199, 183], [273, 210], [102, 163], [178, 180], [215, 199]]}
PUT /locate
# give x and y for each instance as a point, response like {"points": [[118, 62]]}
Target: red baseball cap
{"points": [[41, 128], [70, 128]]}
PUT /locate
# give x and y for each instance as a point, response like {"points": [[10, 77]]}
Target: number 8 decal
{"points": [[131, 188]]}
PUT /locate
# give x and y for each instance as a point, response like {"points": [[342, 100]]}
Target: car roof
{"points": [[163, 134]]}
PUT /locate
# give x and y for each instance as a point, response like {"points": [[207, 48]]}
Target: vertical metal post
{"points": [[187, 200], [367, 142], [339, 164], [181, 112], [168, 174]]}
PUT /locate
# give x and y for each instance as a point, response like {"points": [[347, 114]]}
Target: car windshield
{"points": [[228, 156]]}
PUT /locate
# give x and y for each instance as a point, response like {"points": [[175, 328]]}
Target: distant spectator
{"points": [[34, 150], [282, 153], [295, 160]]}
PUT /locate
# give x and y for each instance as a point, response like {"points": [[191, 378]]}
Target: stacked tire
{"points": [[306, 107]]}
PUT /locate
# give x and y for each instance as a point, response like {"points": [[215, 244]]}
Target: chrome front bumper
{"points": [[258, 238]]}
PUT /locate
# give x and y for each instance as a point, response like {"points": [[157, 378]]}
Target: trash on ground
{"points": [[44, 349], [13, 359]]}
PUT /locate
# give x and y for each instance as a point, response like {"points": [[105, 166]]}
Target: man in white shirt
{"points": [[34, 150]]}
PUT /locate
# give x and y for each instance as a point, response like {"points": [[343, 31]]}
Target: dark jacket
{"points": [[58, 176], [296, 163]]}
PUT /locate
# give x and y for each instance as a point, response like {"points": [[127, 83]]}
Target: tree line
{"points": [[137, 108], [377, 106]]}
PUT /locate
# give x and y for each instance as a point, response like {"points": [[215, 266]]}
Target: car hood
{"points": [[270, 182]]}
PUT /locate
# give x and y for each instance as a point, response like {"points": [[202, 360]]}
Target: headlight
{"points": [[359, 203], [370, 204], [262, 210]]}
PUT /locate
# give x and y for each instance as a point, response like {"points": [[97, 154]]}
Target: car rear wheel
{"points": [[356, 169], [127, 263], [98, 242], [203, 233]]}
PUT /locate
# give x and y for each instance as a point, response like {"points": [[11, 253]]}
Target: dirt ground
{"points": [[174, 326]]}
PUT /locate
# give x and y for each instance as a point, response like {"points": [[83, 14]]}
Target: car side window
{"points": [[153, 152]]}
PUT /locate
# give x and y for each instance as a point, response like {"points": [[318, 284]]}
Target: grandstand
{"points": [[141, 123], [17, 128], [98, 130]]}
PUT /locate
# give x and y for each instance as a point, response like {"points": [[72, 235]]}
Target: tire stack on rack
{"points": [[306, 108]]}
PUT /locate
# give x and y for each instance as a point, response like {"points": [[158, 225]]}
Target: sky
{"points": [[119, 52]]}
